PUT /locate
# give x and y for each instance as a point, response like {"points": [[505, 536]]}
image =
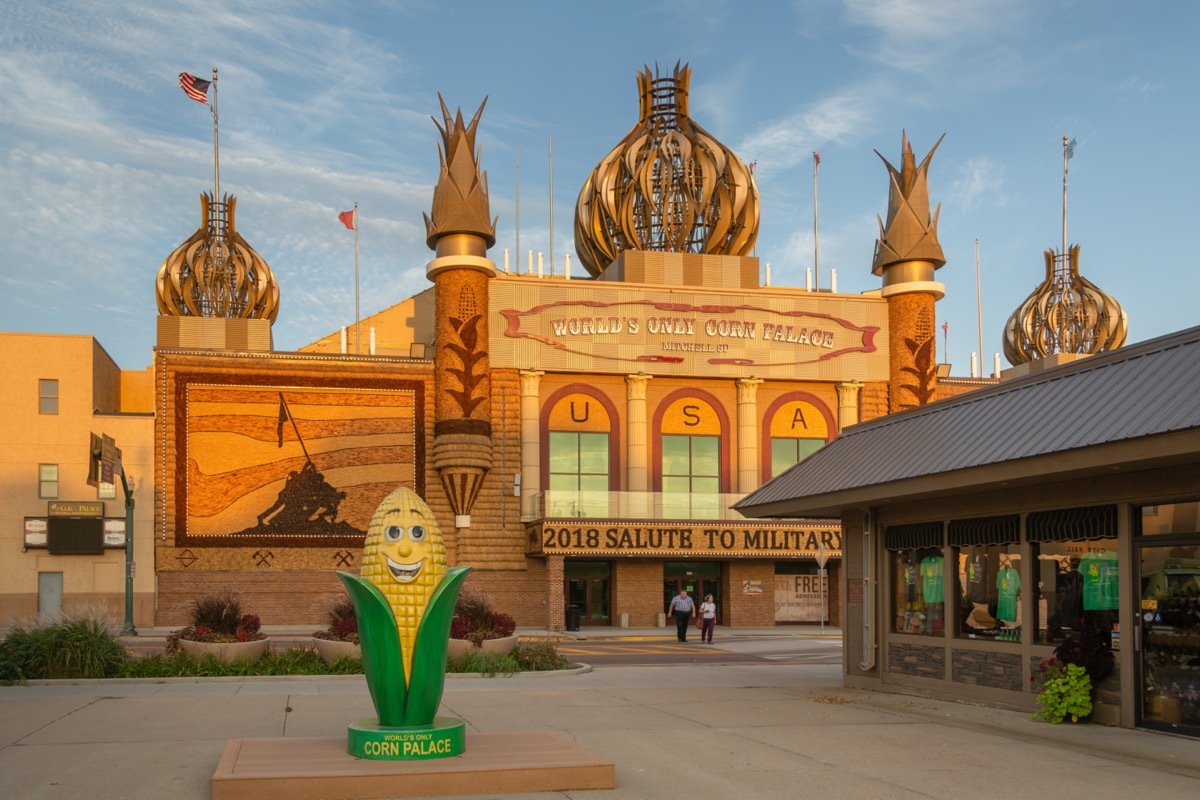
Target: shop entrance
{"points": [[1169, 617], [699, 578], [589, 591]]}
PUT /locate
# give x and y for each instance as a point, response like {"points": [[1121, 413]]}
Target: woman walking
{"points": [[708, 618]]}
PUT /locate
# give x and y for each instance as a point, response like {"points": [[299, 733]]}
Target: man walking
{"points": [[682, 607]]}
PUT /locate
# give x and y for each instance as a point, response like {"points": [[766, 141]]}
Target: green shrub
{"points": [[489, 664], [284, 662], [83, 645], [539, 657], [1066, 692]]}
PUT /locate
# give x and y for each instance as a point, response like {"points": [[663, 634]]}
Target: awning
{"points": [[1004, 529], [1072, 524]]}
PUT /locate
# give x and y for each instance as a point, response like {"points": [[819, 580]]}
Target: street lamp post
{"points": [[128, 485]]}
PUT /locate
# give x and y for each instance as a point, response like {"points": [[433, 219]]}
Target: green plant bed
{"points": [[284, 662], [73, 648]]}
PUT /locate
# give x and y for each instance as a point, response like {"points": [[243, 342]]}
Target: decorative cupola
{"points": [[1066, 316], [906, 255], [668, 187]]}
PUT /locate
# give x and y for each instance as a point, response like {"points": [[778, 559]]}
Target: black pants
{"points": [[681, 624]]}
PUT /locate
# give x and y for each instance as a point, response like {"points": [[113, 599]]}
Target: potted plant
{"points": [[476, 626], [1066, 692], [220, 629], [340, 638]]}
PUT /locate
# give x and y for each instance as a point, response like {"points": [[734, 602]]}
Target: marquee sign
{"points": [[707, 540], [602, 329]]}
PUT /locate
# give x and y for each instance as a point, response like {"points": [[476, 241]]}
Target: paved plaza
{"points": [[763, 730]]}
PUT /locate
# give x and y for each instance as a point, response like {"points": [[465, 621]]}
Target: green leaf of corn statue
{"points": [[399, 704]]}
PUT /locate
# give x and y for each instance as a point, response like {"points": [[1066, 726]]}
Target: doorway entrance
{"points": [[699, 578], [589, 590], [1169, 618]]}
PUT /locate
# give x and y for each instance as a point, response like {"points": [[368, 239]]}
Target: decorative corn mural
{"points": [[404, 601]]}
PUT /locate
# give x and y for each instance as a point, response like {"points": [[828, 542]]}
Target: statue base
{"points": [[444, 737]]}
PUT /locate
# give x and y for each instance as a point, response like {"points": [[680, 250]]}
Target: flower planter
{"points": [[225, 652], [331, 650], [458, 648]]}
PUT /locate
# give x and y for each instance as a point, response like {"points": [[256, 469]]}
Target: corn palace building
{"points": [[581, 437]]}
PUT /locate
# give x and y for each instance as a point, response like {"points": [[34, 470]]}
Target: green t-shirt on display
{"points": [[1008, 585], [933, 580], [1099, 571]]}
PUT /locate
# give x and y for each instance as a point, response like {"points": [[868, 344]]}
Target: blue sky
{"points": [[103, 157]]}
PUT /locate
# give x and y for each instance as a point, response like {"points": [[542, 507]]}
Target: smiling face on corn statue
{"points": [[404, 601]]}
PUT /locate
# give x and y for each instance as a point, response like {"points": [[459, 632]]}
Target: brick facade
{"points": [[984, 668], [919, 661]]}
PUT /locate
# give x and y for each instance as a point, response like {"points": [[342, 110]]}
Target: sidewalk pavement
{"points": [[764, 730]]}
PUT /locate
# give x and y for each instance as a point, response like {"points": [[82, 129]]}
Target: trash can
{"points": [[572, 618]]}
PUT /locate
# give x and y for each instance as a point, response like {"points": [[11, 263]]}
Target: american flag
{"points": [[195, 88]]}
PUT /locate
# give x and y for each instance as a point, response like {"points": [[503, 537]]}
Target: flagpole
{"points": [[518, 210], [979, 306], [1066, 156], [216, 145], [357, 316], [816, 268], [551, 205]]}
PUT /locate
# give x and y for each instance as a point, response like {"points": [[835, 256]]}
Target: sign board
{"points": [[798, 598], [709, 540], [752, 587], [36, 527], [74, 508]]}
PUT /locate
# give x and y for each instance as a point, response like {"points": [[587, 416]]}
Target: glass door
{"points": [[588, 591], [1169, 621]]}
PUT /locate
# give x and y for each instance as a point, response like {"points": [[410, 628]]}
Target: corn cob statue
{"points": [[404, 600]]}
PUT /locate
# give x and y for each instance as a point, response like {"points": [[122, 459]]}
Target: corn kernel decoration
{"points": [[404, 600]]}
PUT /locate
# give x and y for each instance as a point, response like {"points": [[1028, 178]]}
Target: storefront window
{"points": [[1077, 575], [579, 477], [919, 584], [989, 577], [1168, 518], [1076, 589]]}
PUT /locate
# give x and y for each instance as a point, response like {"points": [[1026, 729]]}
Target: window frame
{"points": [[48, 402], [43, 482]]}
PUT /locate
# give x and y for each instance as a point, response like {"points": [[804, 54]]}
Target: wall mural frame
{"points": [[291, 460]]}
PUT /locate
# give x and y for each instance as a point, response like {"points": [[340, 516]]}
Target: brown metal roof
{"points": [[1151, 389]]}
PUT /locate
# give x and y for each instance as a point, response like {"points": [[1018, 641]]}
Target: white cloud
{"points": [[979, 181]]}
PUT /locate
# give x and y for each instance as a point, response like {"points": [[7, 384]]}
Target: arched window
{"points": [[798, 427], [578, 458], [692, 458]]}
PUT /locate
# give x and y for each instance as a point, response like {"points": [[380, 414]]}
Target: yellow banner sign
{"points": [[625, 539]]}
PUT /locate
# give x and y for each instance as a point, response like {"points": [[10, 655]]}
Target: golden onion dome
{"points": [[216, 273], [668, 186], [1066, 313]]}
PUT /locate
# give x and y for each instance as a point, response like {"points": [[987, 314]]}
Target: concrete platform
{"points": [[321, 769]]}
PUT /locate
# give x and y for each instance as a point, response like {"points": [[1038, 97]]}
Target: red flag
{"points": [[349, 219], [195, 88], [753, 166], [816, 159], [945, 327]]}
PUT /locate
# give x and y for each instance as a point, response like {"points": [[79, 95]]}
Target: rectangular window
{"points": [[579, 474], [47, 396], [48, 481], [691, 483], [989, 590], [786, 453], [919, 591], [1076, 590], [1167, 518]]}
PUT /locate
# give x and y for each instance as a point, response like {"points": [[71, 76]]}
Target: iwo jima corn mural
{"points": [[307, 504]]}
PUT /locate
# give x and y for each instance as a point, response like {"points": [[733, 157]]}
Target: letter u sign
{"points": [[586, 412]]}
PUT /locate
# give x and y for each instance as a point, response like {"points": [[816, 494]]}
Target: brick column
{"points": [[556, 604], [531, 441]]}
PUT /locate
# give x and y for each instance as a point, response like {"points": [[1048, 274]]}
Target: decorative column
{"points": [[748, 438], [637, 453], [906, 255], [460, 231], [531, 441], [848, 404]]}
